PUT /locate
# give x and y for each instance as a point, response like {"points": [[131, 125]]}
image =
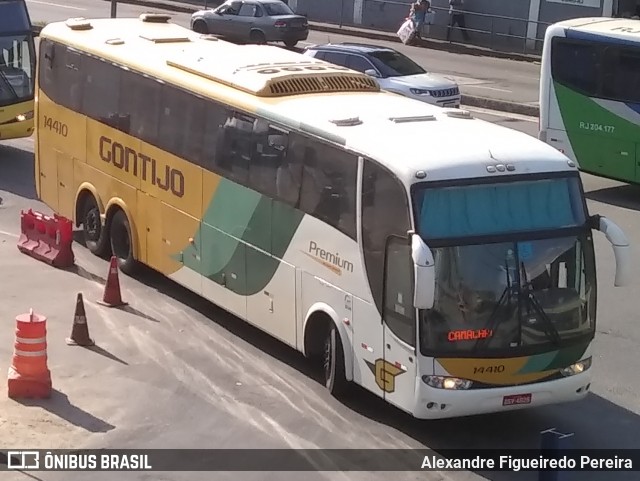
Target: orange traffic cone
{"points": [[112, 296], [29, 376], [80, 330]]}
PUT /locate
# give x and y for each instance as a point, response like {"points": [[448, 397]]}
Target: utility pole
{"points": [[114, 5]]}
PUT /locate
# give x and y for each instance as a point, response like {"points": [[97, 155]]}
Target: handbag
{"points": [[406, 31]]}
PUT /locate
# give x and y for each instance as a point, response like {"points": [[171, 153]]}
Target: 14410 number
{"points": [[56, 126]]}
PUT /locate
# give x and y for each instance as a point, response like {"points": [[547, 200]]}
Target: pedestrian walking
{"points": [[418, 14], [456, 17]]}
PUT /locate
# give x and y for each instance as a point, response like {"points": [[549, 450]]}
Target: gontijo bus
{"points": [[449, 280], [17, 70], [589, 95]]}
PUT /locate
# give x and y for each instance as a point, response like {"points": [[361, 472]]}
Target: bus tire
{"points": [[121, 242], [95, 235], [333, 363]]}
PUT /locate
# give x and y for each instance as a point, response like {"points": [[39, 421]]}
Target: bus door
{"points": [[396, 376]]}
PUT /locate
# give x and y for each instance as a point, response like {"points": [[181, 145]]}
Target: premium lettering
{"points": [[142, 166], [329, 257]]}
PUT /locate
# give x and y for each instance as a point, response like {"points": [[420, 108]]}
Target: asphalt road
{"points": [[494, 78]]}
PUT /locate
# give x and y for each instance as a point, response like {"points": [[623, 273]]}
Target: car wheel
{"points": [[291, 43], [258, 37], [200, 26]]}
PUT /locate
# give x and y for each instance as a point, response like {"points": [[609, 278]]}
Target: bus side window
{"points": [[101, 91], [140, 102], [46, 66], [385, 212], [329, 186], [576, 65], [63, 80], [289, 174], [215, 118], [234, 147], [268, 153], [181, 125]]}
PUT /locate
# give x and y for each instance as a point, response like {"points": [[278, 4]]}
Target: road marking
{"points": [[486, 87], [504, 115], [55, 5], [9, 234]]}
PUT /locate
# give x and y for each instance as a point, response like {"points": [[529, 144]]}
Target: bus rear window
{"points": [[498, 208]]}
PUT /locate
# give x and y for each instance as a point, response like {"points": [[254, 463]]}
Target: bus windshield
{"points": [[16, 68], [514, 264]]}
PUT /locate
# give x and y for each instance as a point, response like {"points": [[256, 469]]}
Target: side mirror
{"points": [[371, 73], [621, 248], [423, 274]]}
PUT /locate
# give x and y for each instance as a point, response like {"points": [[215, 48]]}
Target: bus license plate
{"points": [[516, 399]]}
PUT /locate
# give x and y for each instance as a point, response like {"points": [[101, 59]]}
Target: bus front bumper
{"points": [[16, 130], [432, 403]]}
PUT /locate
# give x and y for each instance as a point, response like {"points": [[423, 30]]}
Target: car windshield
{"points": [[16, 68], [279, 8], [395, 64], [514, 265]]}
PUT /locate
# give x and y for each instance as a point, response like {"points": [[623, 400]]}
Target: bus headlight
{"points": [[577, 368], [444, 382], [25, 116]]}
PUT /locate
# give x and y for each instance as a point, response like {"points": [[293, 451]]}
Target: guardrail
{"points": [[491, 36]]}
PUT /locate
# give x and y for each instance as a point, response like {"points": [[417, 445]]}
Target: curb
{"points": [[426, 43], [500, 105]]}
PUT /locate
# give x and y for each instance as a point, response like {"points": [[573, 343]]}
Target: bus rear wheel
{"points": [[95, 236], [333, 363], [121, 242]]}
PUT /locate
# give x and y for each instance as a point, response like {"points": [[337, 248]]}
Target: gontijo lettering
{"points": [[142, 166]]}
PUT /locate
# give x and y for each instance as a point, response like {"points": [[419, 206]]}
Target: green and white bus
{"points": [[590, 95], [444, 263]]}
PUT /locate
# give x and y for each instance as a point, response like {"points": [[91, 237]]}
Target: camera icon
{"points": [[23, 460]]}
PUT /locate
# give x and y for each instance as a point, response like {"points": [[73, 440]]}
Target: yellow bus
{"points": [[17, 70], [299, 196]]}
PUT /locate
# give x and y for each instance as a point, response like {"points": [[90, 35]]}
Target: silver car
{"points": [[256, 21]]}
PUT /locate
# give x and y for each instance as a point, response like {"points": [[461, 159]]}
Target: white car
{"points": [[394, 71]]}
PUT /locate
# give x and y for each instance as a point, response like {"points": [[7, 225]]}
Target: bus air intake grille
{"points": [[322, 84]]}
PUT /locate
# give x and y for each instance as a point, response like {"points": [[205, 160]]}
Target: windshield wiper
{"points": [[504, 301], [550, 330], [5, 80]]}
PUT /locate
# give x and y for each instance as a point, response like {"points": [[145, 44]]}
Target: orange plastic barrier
{"points": [[45, 238], [29, 376]]}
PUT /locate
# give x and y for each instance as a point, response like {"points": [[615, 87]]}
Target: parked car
{"points": [[394, 71], [256, 21]]}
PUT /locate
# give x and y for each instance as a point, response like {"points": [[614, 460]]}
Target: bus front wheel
{"points": [[121, 242], [334, 370], [95, 236]]}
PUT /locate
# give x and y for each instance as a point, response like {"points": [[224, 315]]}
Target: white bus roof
{"points": [[617, 28], [405, 135]]}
